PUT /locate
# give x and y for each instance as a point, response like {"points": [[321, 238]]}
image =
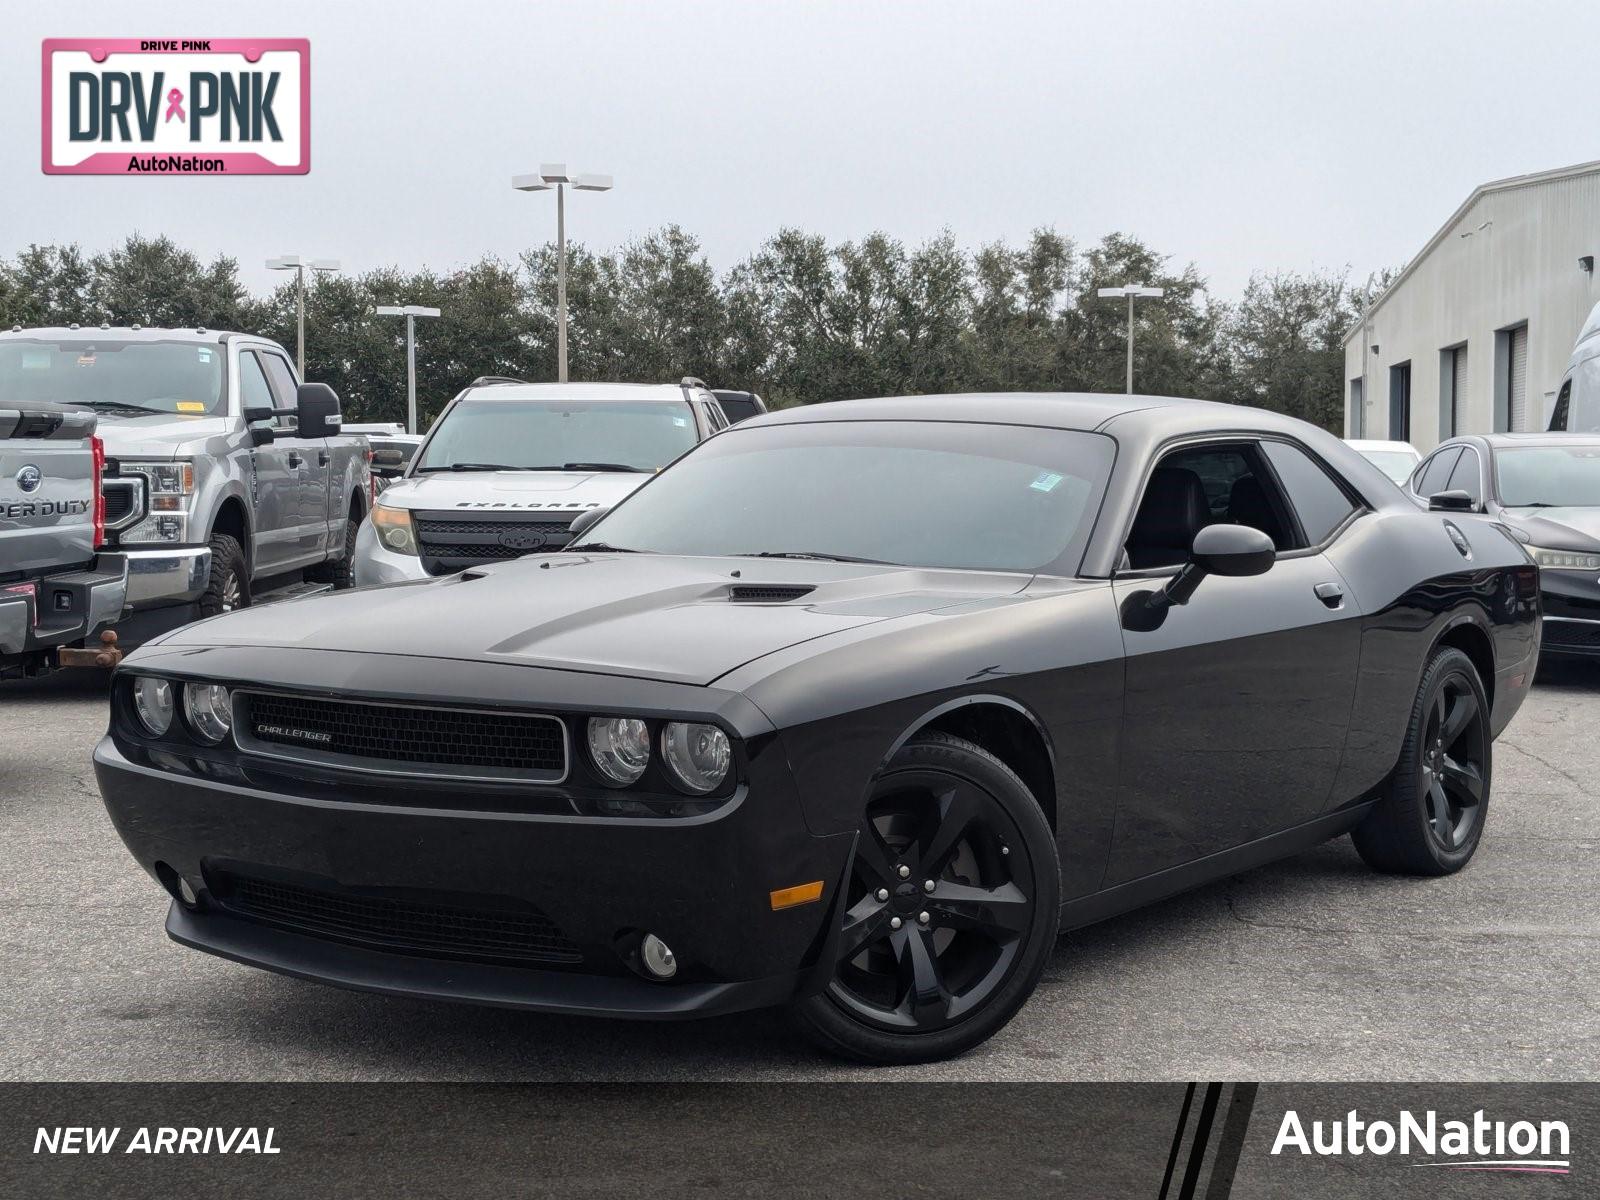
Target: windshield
{"points": [[165, 377], [926, 494], [556, 435], [1549, 476], [1394, 463]]}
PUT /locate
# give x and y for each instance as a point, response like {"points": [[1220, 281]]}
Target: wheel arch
{"points": [[1009, 730], [233, 518], [1466, 635]]}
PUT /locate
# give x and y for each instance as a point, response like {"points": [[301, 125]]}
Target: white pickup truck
{"points": [[225, 476]]}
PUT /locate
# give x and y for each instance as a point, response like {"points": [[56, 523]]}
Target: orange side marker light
{"points": [[801, 893]]}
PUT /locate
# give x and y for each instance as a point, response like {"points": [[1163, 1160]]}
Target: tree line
{"points": [[801, 320]]}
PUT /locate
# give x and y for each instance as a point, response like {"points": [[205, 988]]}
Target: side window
{"points": [[1199, 486], [1558, 417], [1467, 477], [713, 416], [1321, 503], [254, 391], [281, 377], [1433, 475]]}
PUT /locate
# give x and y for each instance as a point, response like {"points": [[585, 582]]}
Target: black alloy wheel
{"points": [[950, 909], [1431, 817]]}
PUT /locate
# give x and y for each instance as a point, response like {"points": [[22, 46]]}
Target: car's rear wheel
{"points": [[1431, 817], [950, 912]]}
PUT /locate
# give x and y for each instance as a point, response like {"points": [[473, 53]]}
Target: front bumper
{"points": [[376, 565], [1570, 602], [701, 884], [158, 578], [63, 609]]}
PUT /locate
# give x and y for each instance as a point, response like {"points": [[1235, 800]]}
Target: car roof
{"points": [[1498, 441], [588, 392], [1379, 444], [1056, 410], [123, 333]]}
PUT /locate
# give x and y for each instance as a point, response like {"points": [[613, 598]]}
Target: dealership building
{"points": [[1474, 334]]}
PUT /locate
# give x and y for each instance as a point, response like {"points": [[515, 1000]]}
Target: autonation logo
{"points": [[1540, 1148]]}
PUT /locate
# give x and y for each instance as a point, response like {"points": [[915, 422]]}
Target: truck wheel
{"points": [[229, 585], [341, 572]]}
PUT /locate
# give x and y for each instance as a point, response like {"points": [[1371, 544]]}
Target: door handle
{"points": [[1330, 594], [295, 460], [323, 458]]}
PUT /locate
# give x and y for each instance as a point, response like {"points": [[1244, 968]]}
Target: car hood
{"points": [[158, 436], [509, 491], [1558, 528], [639, 615]]}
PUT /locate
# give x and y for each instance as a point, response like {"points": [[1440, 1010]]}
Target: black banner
{"points": [[874, 1140]]}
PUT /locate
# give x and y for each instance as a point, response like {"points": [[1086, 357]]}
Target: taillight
{"points": [[99, 448]]}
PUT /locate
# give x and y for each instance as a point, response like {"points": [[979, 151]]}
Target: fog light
{"points": [[657, 956]]}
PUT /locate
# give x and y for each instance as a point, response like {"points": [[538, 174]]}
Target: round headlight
{"points": [[620, 747], [209, 711], [697, 755], [152, 699]]}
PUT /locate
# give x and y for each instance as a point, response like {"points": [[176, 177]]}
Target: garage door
{"points": [[1458, 390], [1517, 382]]}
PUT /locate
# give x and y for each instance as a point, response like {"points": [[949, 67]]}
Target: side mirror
{"points": [[1455, 500], [388, 463], [261, 432], [317, 409], [585, 519], [1232, 551]]}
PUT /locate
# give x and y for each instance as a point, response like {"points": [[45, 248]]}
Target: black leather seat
{"points": [[1174, 509], [1248, 505]]}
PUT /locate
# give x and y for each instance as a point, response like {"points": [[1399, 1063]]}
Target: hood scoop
{"points": [[768, 593]]}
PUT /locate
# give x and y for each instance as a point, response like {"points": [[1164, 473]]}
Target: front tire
{"points": [[228, 586], [950, 912], [1431, 817]]}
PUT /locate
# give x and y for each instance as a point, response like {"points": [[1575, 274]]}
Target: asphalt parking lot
{"points": [[1311, 969]]}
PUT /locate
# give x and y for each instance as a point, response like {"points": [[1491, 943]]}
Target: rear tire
{"points": [[340, 571], [907, 990], [1431, 817], [228, 587]]}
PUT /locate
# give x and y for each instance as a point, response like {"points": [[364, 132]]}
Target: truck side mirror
{"points": [[317, 409]]}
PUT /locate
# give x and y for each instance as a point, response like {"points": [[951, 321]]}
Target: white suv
{"points": [[508, 467]]}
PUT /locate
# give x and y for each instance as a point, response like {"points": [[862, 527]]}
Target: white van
{"points": [[1578, 400]]}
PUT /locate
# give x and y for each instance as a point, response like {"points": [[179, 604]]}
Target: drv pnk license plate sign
{"points": [[164, 107]]}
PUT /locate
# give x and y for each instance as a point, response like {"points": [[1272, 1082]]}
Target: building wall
{"points": [[1478, 280]]}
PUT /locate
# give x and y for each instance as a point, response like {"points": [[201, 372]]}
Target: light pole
{"points": [[555, 175], [293, 262], [410, 312], [1131, 291]]}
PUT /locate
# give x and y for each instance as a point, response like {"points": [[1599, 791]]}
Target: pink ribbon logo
{"points": [[175, 105]]}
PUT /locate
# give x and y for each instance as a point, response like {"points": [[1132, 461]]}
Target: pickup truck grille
{"points": [[410, 926], [450, 542], [404, 739]]}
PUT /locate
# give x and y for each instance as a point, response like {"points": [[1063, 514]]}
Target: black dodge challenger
{"points": [[852, 708]]}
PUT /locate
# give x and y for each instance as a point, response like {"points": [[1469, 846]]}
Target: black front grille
{"points": [[1571, 635], [449, 542], [411, 926], [119, 502], [755, 593], [435, 740]]}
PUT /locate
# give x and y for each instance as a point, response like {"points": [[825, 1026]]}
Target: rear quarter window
{"points": [[1321, 504]]}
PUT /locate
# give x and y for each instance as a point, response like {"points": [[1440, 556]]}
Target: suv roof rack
{"points": [[691, 381], [494, 380]]}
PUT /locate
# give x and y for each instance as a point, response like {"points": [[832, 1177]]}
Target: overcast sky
{"points": [[1238, 136]]}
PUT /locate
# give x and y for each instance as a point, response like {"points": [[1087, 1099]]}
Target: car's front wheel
{"points": [[1431, 816], [950, 913]]}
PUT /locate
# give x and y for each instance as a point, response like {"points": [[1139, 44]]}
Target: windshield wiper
{"points": [[591, 466], [474, 467], [118, 406], [1535, 504], [816, 556], [607, 547]]}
